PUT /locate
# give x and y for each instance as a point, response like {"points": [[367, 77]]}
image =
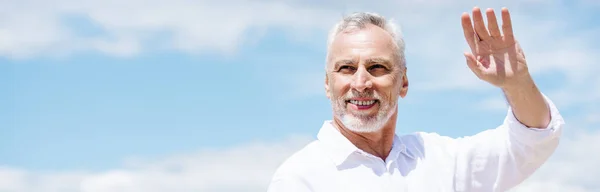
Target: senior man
{"points": [[359, 151]]}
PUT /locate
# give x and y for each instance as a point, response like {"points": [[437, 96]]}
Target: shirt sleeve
{"points": [[501, 158]]}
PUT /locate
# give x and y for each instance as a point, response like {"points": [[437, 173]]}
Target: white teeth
{"points": [[370, 102]]}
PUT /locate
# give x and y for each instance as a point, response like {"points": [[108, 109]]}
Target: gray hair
{"points": [[359, 21]]}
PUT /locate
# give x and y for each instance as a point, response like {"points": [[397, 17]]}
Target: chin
{"points": [[368, 124], [363, 123]]}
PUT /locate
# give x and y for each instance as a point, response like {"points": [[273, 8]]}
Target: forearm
{"points": [[528, 104]]}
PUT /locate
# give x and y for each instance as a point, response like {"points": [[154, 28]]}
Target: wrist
{"points": [[527, 103], [519, 85]]}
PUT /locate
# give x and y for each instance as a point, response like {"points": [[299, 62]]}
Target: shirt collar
{"points": [[339, 147]]}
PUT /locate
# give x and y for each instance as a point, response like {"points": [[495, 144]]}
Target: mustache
{"points": [[368, 94]]}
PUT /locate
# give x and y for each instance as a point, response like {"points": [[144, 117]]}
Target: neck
{"points": [[376, 143]]}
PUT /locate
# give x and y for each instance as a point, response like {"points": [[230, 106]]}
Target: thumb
{"points": [[473, 64]]}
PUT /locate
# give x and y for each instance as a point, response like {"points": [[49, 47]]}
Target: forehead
{"points": [[371, 41]]}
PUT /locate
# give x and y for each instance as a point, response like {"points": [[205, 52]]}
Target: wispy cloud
{"points": [[39, 28], [552, 41], [33, 28], [572, 168], [249, 168], [495, 104], [435, 44]]}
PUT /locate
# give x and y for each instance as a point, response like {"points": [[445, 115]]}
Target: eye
{"points": [[377, 66], [378, 69], [346, 69]]}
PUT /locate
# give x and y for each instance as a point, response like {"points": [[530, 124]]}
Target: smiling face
{"points": [[364, 78]]}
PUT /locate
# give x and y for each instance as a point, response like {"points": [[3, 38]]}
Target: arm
{"points": [[501, 158], [528, 103]]}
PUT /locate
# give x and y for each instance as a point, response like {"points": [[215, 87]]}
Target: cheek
{"points": [[339, 86], [388, 88]]}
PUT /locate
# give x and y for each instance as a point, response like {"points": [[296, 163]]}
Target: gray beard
{"points": [[363, 123]]}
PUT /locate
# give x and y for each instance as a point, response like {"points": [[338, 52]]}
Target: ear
{"points": [[404, 85], [327, 86]]}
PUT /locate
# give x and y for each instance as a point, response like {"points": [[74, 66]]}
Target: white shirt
{"points": [[493, 160]]}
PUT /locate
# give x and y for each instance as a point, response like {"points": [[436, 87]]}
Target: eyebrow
{"points": [[343, 62], [379, 60]]}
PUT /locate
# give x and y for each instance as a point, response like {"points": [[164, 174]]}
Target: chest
{"points": [[403, 175]]}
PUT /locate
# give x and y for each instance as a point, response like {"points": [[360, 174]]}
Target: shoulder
{"points": [[310, 155], [297, 170]]}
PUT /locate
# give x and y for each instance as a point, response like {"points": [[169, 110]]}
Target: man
{"points": [[359, 151]]}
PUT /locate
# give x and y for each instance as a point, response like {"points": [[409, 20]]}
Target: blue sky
{"points": [[91, 87], [84, 107]]}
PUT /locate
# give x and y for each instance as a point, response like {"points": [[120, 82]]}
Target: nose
{"points": [[362, 79]]}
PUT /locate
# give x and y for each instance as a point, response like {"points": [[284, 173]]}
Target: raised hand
{"points": [[496, 58]]}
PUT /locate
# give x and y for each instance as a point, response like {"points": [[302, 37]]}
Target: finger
{"points": [[475, 66], [507, 25], [468, 30], [492, 23], [479, 25]]}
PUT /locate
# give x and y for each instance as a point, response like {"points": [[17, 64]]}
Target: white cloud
{"points": [[593, 117], [556, 45], [550, 49], [32, 28], [304, 85], [249, 167], [495, 104], [572, 168]]}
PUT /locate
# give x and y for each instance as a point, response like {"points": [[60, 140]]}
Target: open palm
{"points": [[496, 58]]}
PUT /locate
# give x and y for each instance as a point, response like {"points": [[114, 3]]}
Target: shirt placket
{"points": [[396, 181]]}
